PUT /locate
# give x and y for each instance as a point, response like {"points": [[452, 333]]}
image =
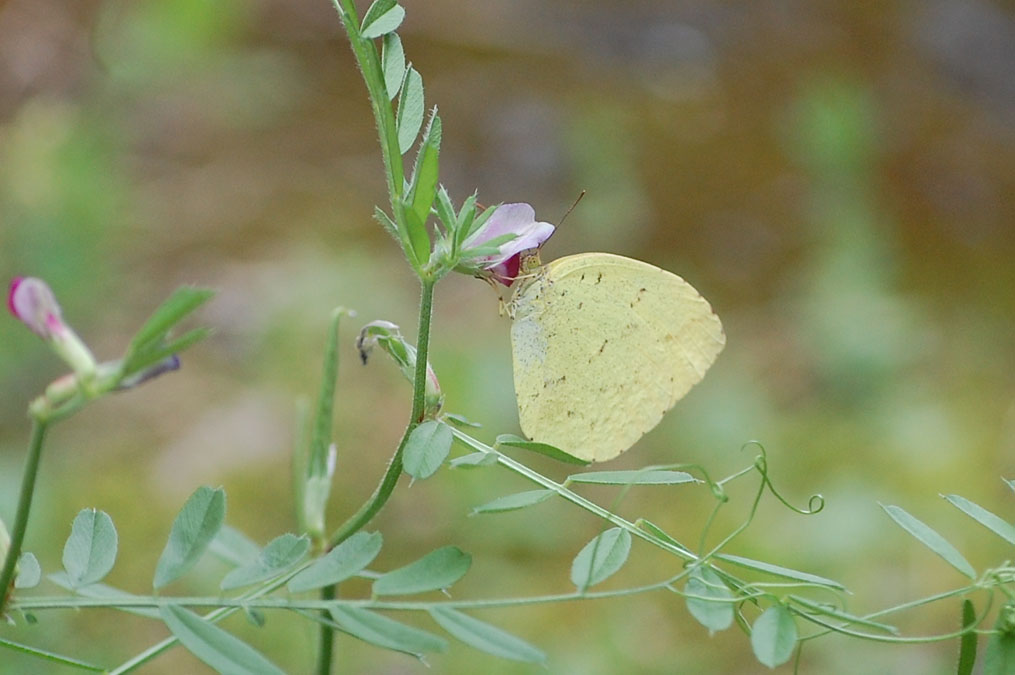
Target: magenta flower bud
{"points": [[31, 301], [518, 219]]}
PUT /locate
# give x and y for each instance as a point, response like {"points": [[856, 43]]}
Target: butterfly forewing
{"points": [[603, 346]]}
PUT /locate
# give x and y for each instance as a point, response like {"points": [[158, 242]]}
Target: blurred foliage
{"points": [[838, 179]]}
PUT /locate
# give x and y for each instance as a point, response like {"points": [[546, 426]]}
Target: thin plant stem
{"points": [[213, 616], [387, 485], [24, 507], [326, 635], [366, 55]]}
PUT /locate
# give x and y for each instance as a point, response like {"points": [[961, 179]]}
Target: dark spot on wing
{"points": [[637, 298], [599, 278]]}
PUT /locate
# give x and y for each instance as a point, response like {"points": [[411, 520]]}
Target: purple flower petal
{"points": [[518, 219], [507, 219]]}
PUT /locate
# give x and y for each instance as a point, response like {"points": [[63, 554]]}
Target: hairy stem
{"points": [[370, 66]]}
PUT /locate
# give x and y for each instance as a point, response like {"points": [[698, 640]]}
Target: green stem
{"points": [[214, 616], [370, 66], [24, 507], [326, 635], [384, 489]]}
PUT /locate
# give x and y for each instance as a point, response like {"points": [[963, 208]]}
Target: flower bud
{"points": [[387, 335], [32, 302]]}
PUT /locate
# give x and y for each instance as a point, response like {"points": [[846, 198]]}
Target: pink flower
{"points": [[31, 301], [517, 219]]}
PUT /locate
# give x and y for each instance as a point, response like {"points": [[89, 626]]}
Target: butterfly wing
{"points": [[603, 346]]}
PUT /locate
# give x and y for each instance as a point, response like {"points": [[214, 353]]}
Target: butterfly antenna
{"points": [[571, 208]]}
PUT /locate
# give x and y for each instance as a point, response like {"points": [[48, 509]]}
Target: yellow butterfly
{"points": [[603, 346]]}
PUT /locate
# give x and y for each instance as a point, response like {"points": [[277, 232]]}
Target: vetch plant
{"points": [[567, 414]]}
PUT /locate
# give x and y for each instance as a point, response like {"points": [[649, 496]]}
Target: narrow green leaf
{"points": [[512, 441], [134, 372], [221, 650], [281, 554], [385, 632], [461, 421], [835, 612], [90, 551], [234, 547], [476, 222], [658, 532], [377, 9], [29, 571], [999, 656], [466, 216], [195, 526], [255, 617], [1009, 483], [181, 303], [321, 440], [419, 239], [601, 557], [376, 23], [773, 636], [388, 224], [492, 247], [446, 214], [393, 64], [322, 454], [512, 502], [426, 449], [651, 477], [473, 460], [778, 571], [434, 571], [103, 592], [50, 656], [715, 614], [485, 637], [411, 110], [930, 538], [340, 563], [425, 174], [992, 522], [967, 644]]}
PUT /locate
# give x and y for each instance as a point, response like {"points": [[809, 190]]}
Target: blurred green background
{"points": [[837, 178]]}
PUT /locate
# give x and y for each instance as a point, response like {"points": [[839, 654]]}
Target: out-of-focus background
{"points": [[837, 178]]}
